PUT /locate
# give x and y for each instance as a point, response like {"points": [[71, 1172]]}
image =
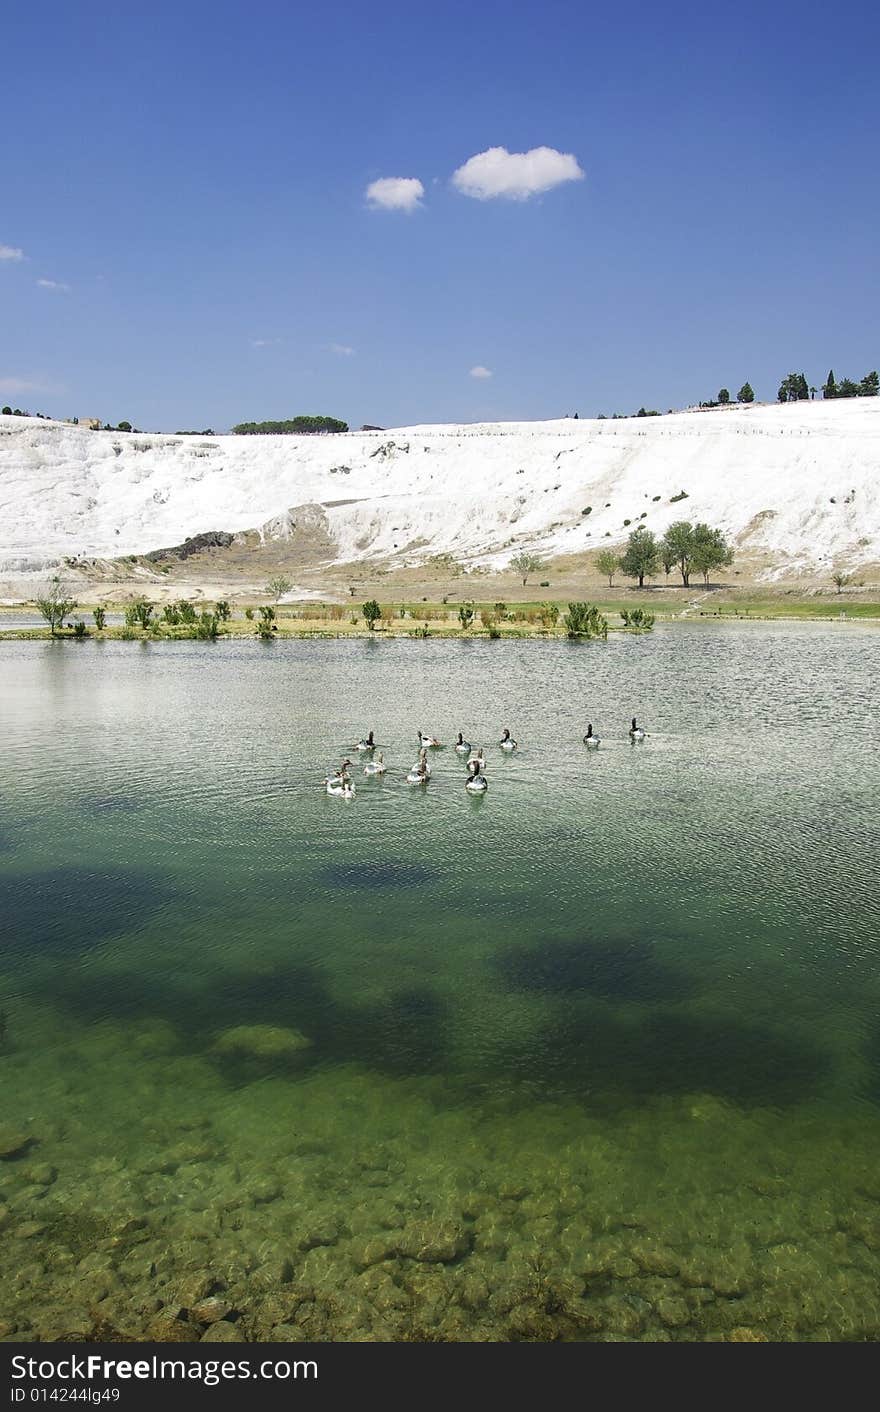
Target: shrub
{"points": [[267, 615], [249, 614], [171, 615], [186, 611], [626, 522], [585, 620], [79, 628], [549, 614], [466, 614], [587, 511], [372, 613], [224, 611], [545, 583], [206, 627], [638, 618], [674, 499], [100, 616], [139, 613]]}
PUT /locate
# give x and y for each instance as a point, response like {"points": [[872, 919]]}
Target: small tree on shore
{"points": [[224, 611], [524, 564], [723, 397], [100, 616], [678, 544], [840, 580], [585, 620], [466, 613], [710, 551], [277, 587], [608, 562], [54, 605], [641, 556], [372, 613]]}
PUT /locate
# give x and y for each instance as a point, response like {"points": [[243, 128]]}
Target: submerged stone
{"points": [[13, 1142], [262, 1044]]}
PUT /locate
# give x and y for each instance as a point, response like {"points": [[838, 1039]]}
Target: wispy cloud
{"points": [[54, 284], [11, 252], [515, 175], [395, 194], [480, 372], [13, 386], [342, 350], [264, 342]]}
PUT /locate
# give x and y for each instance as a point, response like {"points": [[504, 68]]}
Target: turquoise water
{"points": [[594, 1057]]}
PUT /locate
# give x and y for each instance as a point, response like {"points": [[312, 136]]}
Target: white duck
{"points": [[477, 784], [420, 773], [429, 740], [477, 759], [636, 732], [591, 741], [421, 766], [375, 767], [462, 746], [367, 744], [507, 741], [340, 787]]}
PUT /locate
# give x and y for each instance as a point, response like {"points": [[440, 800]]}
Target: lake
{"points": [[594, 1057]]}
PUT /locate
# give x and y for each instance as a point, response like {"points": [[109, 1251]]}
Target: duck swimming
{"points": [[367, 744], [340, 787], [636, 732], [462, 745], [507, 742], [430, 740], [476, 762], [375, 767], [477, 784], [591, 741], [420, 772]]}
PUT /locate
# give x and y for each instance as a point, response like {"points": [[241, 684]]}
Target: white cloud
{"points": [[11, 252], [54, 284], [15, 385], [395, 194], [264, 342], [480, 372], [515, 175], [342, 349]]}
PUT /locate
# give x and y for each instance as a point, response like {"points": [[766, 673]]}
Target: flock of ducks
{"points": [[341, 785]]}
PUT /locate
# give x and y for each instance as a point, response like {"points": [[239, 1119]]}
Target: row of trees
{"points": [[795, 388], [296, 426], [690, 548]]}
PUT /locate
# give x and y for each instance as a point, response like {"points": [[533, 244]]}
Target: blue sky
{"points": [[191, 181]]}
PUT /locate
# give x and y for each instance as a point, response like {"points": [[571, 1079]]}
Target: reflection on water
{"points": [[596, 1057]]}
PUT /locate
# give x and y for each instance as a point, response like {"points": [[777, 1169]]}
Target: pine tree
{"points": [[746, 393], [829, 387], [870, 385], [723, 397]]}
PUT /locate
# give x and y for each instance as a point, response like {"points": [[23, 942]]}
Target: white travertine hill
{"points": [[798, 485]]}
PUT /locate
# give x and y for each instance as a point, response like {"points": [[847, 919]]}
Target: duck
{"points": [[429, 740], [476, 761], [421, 765], [375, 767], [366, 744], [420, 773], [507, 741], [341, 787], [477, 784], [462, 745], [636, 732], [591, 741]]}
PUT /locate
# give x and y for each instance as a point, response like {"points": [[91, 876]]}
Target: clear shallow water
{"points": [[594, 1057]]}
